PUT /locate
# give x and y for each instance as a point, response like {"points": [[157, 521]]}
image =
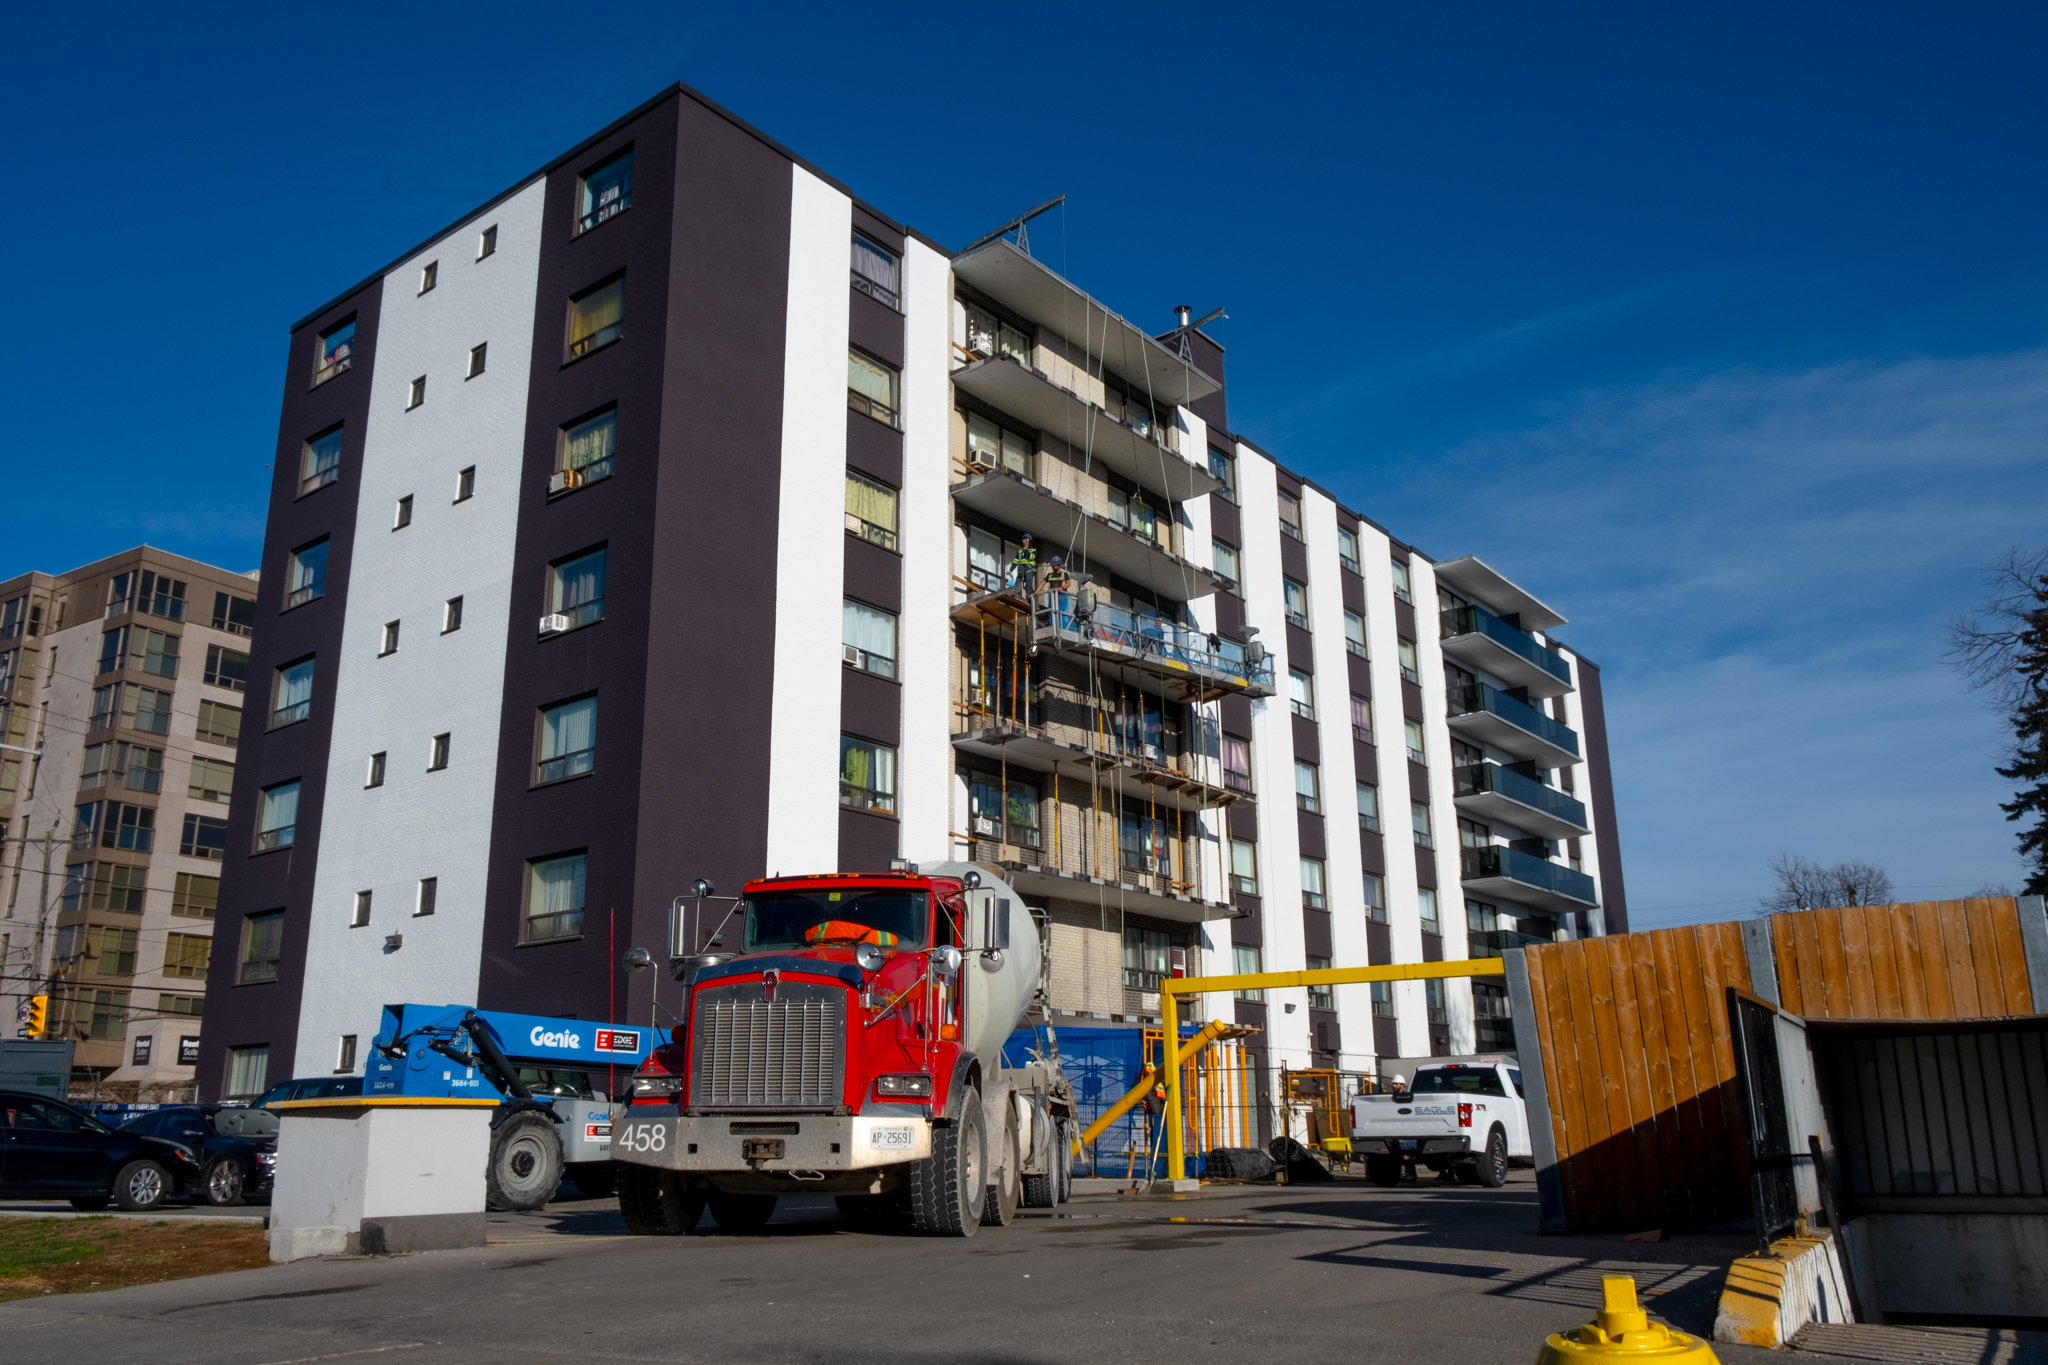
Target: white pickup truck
{"points": [[1464, 1117]]}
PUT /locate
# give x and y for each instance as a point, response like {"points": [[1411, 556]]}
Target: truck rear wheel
{"points": [[525, 1167], [656, 1203], [1493, 1162], [1063, 1161], [1383, 1171], [1005, 1182], [948, 1188], [742, 1213]]}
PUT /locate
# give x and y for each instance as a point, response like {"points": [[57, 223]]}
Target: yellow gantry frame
{"points": [[1172, 989]]}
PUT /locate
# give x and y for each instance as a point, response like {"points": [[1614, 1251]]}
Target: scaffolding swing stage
{"points": [[1171, 991]]}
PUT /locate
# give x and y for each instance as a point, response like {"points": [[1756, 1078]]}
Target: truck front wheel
{"points": [[656, 1203], [742, 1213], [1493, 1162], [525, 1167], [948, 1187], [1383, 1171]]}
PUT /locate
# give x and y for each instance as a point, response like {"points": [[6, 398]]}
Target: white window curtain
{"points": [[280, 807], [557, 886], [868, 629], [569, 728], [295, 685], [590, 442], [579, 581], [873, 263]]}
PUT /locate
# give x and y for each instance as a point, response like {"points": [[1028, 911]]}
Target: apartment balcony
{"points": [[1125, 644], [1058, 524], [1513, 875], [1476, 638], [1073, 766], [1496, 942], [1075, 872], [1486, 715], [1474, 578], [1500, 795]]}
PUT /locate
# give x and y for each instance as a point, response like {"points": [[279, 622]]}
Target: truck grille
{"points": [[757, 1054]]}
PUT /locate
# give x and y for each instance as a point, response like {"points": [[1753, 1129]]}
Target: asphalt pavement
{"points": [[1337, 1272]]}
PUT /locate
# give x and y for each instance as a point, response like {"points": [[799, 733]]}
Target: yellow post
{"points": [[1169, 1009]]}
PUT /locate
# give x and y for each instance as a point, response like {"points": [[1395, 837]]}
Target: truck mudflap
{"points": [[770, 1143]]}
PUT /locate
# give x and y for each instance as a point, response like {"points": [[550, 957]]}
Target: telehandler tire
{"points": [[525, 1167], [948, 1188]]}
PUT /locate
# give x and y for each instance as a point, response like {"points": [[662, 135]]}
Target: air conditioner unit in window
{"points": [[562, 480], [554, 623], [851, 654], [985, 825], [981, 459], [982, 346]]}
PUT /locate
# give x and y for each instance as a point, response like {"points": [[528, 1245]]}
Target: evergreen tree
{"points": [[2029, 717]]}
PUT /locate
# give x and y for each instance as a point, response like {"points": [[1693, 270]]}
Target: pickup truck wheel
{"points": [[656, 1203], [999, 1210], [525, 1168], [1383, 1171], [742, 1213], [1493, 1162], [948, 1187]]}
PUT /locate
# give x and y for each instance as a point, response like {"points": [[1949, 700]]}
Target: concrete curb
{"points": [[1769, 1298], [258, 1218]]}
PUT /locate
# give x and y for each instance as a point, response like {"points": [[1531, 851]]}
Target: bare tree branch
{"points": [[1805, 885], [1984, 645]]}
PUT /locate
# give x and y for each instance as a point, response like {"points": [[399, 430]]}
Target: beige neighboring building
{"points": [[128, 676]]}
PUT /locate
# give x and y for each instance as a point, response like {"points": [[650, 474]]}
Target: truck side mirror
{"points": [[996, 925]]}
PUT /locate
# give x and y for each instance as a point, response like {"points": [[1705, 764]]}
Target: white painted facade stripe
{"points": [[925, 631]]}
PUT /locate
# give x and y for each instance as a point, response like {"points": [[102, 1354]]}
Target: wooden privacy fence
{"points": [[1634, 1060]]}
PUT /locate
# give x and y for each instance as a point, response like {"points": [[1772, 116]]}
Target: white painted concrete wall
{"points": [[924, 645]]}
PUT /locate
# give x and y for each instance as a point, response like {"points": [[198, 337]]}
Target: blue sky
{"points": [[1725, 331]]}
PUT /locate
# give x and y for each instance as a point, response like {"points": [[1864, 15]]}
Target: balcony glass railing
{"points": [[1476, 778], [1480, 621], [1465, 701], [1148, 634], [1495, 942], [1529, 870]]}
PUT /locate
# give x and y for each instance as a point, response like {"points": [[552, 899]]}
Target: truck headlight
{"points": [[913, 1084], [657, 1085]]}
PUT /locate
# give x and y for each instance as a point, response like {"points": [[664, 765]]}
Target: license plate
{"points": [[597, 1130], [890, 1139], [1408, 1145]]}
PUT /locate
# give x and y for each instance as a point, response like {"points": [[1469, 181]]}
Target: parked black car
{"points": [[308, 1088], [53, 1151], [234, 1147]]}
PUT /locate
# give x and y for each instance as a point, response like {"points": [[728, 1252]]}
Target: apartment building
{"points": [[121, 690], [679, 515]]}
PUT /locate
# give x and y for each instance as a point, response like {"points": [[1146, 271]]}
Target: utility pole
{"points": [[33, 974]]}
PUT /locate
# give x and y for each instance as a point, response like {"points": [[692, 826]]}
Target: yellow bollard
{"points": [[1621, 1328]]}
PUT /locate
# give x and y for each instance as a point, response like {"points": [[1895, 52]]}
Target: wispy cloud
{"points": [[1761, 562]]}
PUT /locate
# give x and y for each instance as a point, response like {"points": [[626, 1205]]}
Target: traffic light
{"points": [[38, 1012]]}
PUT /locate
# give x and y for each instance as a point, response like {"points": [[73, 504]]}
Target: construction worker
{"points": [[1024, 565], [1058, 583]]}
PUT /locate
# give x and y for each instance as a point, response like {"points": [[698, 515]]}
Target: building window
{"points": [[1244, 867], [871, 510], [423, 901], [1148, 958], [465, 484], [568, 741], [576, 588], [476, 359], [988, 335], [429, 275], [204, 836], [235, 615], [1354, 634], [1308, 787], [451, 615], [361, 918], [109, 1014], [991, 445], [1368, 808], [1405, 649], [320, 463], [1321, 997], [597, 318], [278, 817], [1000, 815], [1401, 591], [114, 824], [1313, 894], [867, 775], [1347, 548], [1418, 817], [437, 753], [1412, 730], [1237, 764], [1433, 1001], [401, 516], [195, 896], [1224, 558], [375, 778], [1425, 906], [291, 694], [1382, 999], [345, 1057], [554, 897], [138, 647], [1223, 469], [306, 574], [1246, 960], [1361, 719], [337, 346], [1290, 514], [875, 272], [212, 778], [607, 192], [871, 387], [248, 1070], [867, 637], [583, 450], [1297, 602], [145, 591], [186, 1006], [262, 948], [1301, 690], [227, 668], [1375, 898], [487, 242], [416, 393], [105, 886], [388, 643]]}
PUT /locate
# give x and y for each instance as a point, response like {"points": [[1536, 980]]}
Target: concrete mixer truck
{"points": [[853, 1045]]}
